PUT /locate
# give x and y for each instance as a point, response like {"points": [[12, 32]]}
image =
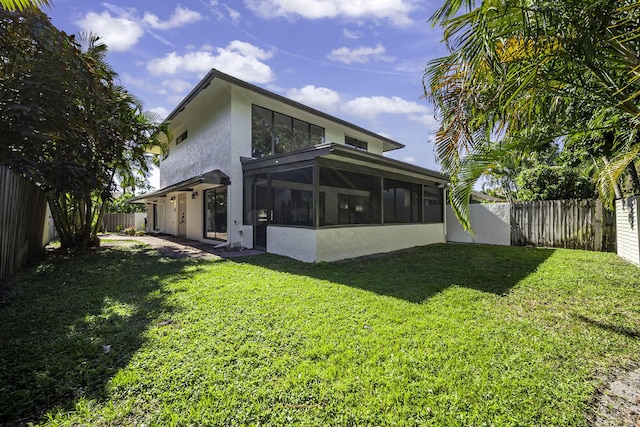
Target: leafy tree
{"points": [[552, 182], [66, 124], [522, 73]]}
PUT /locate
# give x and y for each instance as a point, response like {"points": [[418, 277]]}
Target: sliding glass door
{"points": [[216, 213]]}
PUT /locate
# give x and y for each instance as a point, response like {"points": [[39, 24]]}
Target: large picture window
{"points": [[275, 133], [216, 213]]}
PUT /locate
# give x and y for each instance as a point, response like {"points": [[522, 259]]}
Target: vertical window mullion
{"points": [[273, 133]]}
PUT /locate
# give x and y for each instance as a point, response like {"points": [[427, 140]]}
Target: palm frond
{"points": [[13, 5], [609, 174]]}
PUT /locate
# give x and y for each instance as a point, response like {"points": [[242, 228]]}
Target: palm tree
{"points": [[528, 72], [12, 5]]}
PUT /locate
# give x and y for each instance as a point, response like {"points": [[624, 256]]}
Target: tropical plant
{"points": [[68, 126], [13, 5], [523, 73]]}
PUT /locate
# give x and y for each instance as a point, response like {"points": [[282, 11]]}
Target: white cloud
{"points": [[369, 107], [177, 85], [233, 14], [240, 59], [318, 97], [429, 120], [181, 16], [118, 33], [351, 34], [121, 28], [397, 11], [361, 55], [409, 159]]}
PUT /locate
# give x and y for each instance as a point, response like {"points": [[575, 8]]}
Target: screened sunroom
{"points": [[331, 201]]}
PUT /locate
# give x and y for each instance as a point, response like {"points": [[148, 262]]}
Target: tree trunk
{"points": [[633, 176], [72, 216]]}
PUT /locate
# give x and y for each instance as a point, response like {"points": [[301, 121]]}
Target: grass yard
{"points": [[443, 335]]}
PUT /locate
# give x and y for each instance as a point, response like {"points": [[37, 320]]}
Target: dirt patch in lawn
{"points": [[618, 403]]}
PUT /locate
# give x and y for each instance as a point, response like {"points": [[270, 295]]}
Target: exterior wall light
{"points": [[194, 195]]}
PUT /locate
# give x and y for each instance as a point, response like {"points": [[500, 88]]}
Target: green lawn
{"points": [[442, 335]]}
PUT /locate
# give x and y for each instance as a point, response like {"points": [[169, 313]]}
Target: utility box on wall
{"points": [[628, 236]]}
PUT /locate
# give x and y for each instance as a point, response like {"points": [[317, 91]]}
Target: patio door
{"points": [[216, 213], [182, 215]]}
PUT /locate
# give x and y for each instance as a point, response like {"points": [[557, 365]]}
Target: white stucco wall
{"points": [[171, 214], [195, 213], [240, 147], [349, 242], [247, 236], [139, 218], [296, 243], [491, 223], [207, 121], [627, 230], [333, 244]]}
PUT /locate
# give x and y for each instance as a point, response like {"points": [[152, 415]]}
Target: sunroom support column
{"points": [[316, 195]]}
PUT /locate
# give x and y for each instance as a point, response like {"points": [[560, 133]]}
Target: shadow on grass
{"points": [[627, 332], [417, 274], [61, 316]]}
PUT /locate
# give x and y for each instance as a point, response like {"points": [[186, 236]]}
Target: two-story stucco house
{"points": [[251, 168]]}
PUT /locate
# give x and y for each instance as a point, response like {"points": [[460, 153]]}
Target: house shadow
{"points": [[415, 275], [72, 324]]}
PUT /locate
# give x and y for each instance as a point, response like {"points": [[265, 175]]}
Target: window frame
{"points": [[275, 147]]}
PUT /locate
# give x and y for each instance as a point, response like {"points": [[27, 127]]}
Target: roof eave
{"points": [[388, 143]]}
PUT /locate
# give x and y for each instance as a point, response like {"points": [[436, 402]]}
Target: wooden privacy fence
{"points": [[574, 224], [111, 221], [23, 208]]}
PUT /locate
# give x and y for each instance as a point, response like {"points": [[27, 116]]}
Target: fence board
{"points": [[574, 224], [112, 221], [22, 221]]}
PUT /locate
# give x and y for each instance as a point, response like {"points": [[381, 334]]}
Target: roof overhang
{"points": [[346, 155], [214, 178]]}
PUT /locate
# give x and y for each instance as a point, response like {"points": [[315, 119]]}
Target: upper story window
{"points": [[181, 138], [274, 133], [355, 143]]}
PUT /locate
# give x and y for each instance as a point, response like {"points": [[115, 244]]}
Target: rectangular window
{"points": [[401, 202], [316, 135], [301, 136], [261, 132], [181, 138], [433, 206], [274, 133], [283, 132], [216, 213], [355, 143]]}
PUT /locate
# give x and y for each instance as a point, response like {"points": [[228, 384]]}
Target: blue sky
{"points": [[360, 60]]}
